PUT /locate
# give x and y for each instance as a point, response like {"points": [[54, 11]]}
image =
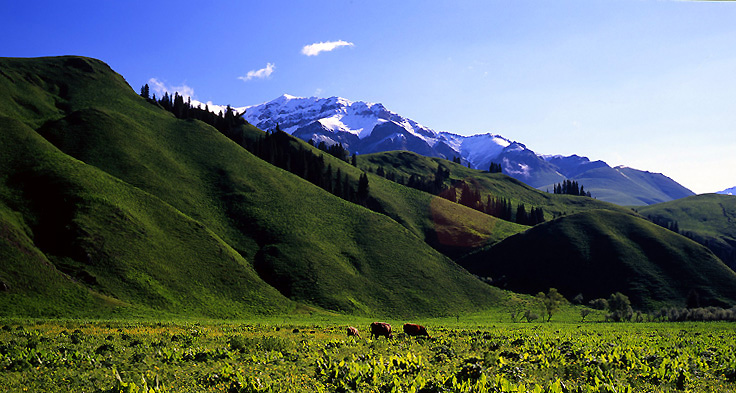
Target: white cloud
{"points": [[259, 74], [317, 48], [317, 92], [159, 88]]}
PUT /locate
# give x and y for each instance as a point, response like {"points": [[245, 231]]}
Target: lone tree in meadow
{"points": [[552, 301]]}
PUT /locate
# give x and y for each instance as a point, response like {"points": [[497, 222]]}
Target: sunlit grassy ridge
{"points": [[630, 187], [710, 219], [600, 252], [494, 184], [200, 206]]}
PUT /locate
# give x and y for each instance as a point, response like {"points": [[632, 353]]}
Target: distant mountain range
{"points": [[370, 127], [728, 191]]}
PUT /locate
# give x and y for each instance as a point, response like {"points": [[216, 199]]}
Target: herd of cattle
{"points": [[379, 329]]}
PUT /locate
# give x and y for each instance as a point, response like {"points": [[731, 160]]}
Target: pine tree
{"points": [[146, 91], [347, 191], [363, 188], [338, 190], [521, 216]]}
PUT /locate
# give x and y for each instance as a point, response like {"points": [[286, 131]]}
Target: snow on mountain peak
{"points": [[479, 147], [336, 114], [339, 120]]}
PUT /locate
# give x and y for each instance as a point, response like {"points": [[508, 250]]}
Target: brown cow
{"points": [[353, 332], [381, 329], [412, 329]]}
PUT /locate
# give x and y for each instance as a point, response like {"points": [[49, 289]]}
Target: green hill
{"points": [[630, 187], [600, 252], [198, 203], [449, 227], [78, 242], [406, 164], [709, 219]]}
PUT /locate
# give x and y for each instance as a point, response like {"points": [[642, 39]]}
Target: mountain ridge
{"points": [[370, 127]]}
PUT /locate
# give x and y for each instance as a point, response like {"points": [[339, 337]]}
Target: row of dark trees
{"points": [[434, 185], [498, 207], [619, 309], [461, 192], [276, 149], [570, 187], [224, 122], [336, 150], [672, 225], [495, 168]]}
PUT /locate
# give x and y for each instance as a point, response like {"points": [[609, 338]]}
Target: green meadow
{"points": [[314, 354]]}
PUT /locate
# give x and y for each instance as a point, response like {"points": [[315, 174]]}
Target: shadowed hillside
{"points": [[709, 219], [76, 242], [600, 252]]}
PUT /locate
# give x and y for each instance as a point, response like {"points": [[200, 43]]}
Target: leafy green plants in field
{"points": [[173, 357]]}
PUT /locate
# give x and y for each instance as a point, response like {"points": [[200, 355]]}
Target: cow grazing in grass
{"points": [[381, 329], [353, 332], [412, 329]]}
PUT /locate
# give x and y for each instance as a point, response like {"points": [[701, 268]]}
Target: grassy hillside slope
{"points": [[448, 227], [311, 246], [78, 242], [600, 252], [630, 187], [710, 219], [498, 185]]}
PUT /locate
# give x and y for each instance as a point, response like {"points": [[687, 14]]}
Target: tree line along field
{"points": [[317, 356]]}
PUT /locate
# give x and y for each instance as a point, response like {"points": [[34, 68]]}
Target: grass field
{"points": [[709, 219], [313, 354]]}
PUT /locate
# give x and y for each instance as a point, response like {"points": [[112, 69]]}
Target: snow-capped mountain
{"points": [[728, 191], [363, 128], [369, 128]]}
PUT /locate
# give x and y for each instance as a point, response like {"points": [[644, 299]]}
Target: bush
{"points": [[531, 316], [619, 307], [598, 304]]}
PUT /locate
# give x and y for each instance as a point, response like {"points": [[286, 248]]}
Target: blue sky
{"points": [[647, 84]]}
